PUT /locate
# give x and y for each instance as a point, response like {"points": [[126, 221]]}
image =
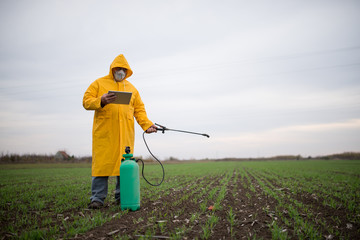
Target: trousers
{"points": [[99, 189]]}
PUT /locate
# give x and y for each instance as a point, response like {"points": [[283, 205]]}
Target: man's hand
{"points": [[107, 98], [151, 129]]}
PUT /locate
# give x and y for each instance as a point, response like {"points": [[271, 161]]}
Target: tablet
{"points": [[122, 97]]}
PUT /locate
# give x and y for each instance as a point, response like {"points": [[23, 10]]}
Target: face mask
{"points": [[119, 75]]}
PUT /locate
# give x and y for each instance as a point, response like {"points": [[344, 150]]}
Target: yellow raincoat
{"points": [[113, 127]]}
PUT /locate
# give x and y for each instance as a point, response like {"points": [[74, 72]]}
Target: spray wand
{"points": [[163, 129]]}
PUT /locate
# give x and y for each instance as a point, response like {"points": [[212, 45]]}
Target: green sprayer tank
{"points": [[129, 182]]}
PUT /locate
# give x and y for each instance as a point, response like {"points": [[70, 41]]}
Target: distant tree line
{"points": [[344, 156], [339, 156], [39, 158], [36, 158]]}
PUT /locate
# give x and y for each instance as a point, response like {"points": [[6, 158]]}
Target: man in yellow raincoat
{"points": [[113, 127]]}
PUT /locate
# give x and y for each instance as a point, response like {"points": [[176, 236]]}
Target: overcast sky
{"points": [[262, 78]]}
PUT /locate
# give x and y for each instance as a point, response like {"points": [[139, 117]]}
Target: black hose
{"points": [[142, 172]]}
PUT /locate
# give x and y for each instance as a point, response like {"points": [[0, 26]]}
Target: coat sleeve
{"points": [[91, 101], [140, 113]]}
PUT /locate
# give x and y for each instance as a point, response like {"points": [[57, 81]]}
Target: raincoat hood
{"points": [[120, 61]]}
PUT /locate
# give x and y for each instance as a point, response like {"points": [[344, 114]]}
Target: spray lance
{"points": [[129, 173], [163, 129]]}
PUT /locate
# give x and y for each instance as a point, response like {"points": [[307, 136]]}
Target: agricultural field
{"points": [[206, 200]]}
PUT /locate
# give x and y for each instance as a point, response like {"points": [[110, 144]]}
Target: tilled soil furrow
{"points": [[110, 209], [138, 222], [251, 221], [324, 217], [301, 184]]}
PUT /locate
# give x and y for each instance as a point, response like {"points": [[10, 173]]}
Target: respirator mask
{"points": [[119, 75]]}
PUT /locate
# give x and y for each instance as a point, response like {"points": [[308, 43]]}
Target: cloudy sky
{"points": [[262, 78]]}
